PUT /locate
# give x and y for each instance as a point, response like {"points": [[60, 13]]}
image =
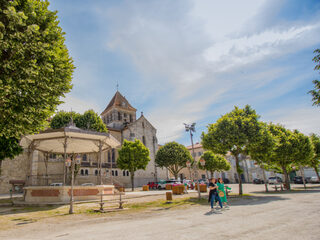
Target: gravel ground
{"points": [[283, 215]]}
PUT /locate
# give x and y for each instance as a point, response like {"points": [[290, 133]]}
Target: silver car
{"points": [[274, 180], [314, 179]]}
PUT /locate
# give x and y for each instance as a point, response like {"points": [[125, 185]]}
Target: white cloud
{"points": [[195, 54]]}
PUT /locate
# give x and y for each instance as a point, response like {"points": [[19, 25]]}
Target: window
{"points": [[119, 116], [124, 115], [124, 173], [86, 172], [199, 153], [52, 156], [143, 124], [84, 157], [143, 140], [109, 156], [82, 172], [203, 176], [130, 118], [96, 172], [132, 135], [127, 173], [112, 172], [113, 155], [116, 173]]}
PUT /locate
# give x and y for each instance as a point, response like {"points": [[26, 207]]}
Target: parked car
{"points": [[314, 179], [152, 185], [258, 181], [56, 184], [298, 180], [274, 180], [226, 180], [87, 184]]}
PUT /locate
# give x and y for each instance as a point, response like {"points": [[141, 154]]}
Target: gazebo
{"points": [[65, 141]]}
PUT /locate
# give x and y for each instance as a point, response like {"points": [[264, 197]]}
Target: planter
{"points": [[168, 187], [178, 189], [145, 188]]}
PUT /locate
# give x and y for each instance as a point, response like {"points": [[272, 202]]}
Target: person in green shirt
{"points": [[221, 189]]}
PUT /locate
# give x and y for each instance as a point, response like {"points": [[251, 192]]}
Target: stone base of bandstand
{"points": [[61, 194]]}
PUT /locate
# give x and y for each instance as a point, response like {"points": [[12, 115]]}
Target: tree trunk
{"points": [[317, 172], [303, 179], [132, 181], [211, 172], [175, 175], [286, 177], [239, 174], [264, 178]]}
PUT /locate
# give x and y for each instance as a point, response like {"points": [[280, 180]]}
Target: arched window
{"points": [[116, 172], [96, 172], [127, 173], [130, 118], [82, 172], [112, 172], [86, 172], [124, 173], [84, 157], [119, 116], [144, 140]]}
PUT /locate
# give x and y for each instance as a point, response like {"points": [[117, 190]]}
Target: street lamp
{"points": [[191, 128], [188, 166]]}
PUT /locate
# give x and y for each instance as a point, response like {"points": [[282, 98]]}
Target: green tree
{"points": [[316, 91], [90, 120], [285, 151], [214, 162], [262, 150], [35, 69], [233, 132], [174, 157], [133, 156], [315, 161]]}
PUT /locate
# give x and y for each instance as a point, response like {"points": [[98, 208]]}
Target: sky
{"points": [[185, 61]]}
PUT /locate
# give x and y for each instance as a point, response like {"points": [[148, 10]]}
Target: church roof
{"points": [[119, 101]]}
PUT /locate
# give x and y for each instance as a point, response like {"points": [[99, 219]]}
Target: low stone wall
{"points": [[50, 194]]}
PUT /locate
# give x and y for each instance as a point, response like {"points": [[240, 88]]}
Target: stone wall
{"points": [[13, 169]]}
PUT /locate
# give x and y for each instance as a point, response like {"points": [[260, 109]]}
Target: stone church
{"points": [[122, 123]]}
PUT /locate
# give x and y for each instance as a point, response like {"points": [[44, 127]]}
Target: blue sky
{"points": [[184, 61]]}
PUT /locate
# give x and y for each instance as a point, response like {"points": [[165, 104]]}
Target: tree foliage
{"points": [[214, 162], [89, 120], [233, 132], [133, 156], [35, 69], [173, 156], [316, 91], [315, 160]]}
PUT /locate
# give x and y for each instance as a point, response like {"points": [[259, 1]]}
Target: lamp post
{"points": [[188, 166], [191, 128]]}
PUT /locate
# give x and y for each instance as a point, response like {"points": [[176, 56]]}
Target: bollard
{"points": [[169, 196]]}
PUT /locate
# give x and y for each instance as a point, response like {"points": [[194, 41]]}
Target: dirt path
{"points": [[264, 216]]}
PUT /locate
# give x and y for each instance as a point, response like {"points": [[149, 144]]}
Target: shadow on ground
{"points": [[293, 191]]}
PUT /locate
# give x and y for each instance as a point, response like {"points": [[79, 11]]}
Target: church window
{"points": [[124, 173], [86, 172], [144, 140], [82, 172], [130, 118], [116, 173], [119, 116], [127, 173]]}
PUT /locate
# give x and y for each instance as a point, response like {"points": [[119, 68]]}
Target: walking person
{"points": [[213, 194], [222, 192]]}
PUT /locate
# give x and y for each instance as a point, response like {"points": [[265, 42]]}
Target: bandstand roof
{"points": [[77, 141]]}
